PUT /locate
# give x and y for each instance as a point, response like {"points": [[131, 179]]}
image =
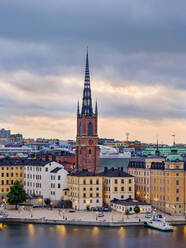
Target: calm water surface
{"points": [[44, 236]]}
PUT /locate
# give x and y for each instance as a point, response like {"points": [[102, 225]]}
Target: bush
{"points": [[127, 212], [137, 209], [47, 201], [88, 208]]}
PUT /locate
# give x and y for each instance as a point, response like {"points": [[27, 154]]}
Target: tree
{"points": [[127, 212], [17, 194], [137, 209], [47, 201]]}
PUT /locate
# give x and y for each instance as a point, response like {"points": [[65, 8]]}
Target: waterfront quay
{"points": [[84, 218]]}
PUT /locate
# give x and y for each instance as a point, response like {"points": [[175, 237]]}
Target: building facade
{"points": [[166, 182], [117, 184], [85, 190], [140, 168], [10, 171], [45, 179], [87, 149], [123, 205]]}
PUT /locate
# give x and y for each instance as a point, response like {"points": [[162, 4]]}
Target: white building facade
{"points": [[45, 179]]}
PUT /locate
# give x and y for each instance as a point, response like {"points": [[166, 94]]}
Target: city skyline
{"points": [[137, 68]]}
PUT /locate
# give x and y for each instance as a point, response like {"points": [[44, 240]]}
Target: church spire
{"points": [[96, 108], [78, 108], [87, 100]]}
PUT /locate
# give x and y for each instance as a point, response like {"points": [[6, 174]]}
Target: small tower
{"points": [[87, 149]]}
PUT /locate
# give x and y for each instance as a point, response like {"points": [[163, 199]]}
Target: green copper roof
{"points": [[174, 158]]}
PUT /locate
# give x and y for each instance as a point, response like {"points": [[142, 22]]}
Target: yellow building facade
{"points": [[117, 184], [140, 168], [85, 190], [165, 187], [9, 173]]}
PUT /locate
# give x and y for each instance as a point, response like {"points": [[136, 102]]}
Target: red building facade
{"points": [[87, 149]]}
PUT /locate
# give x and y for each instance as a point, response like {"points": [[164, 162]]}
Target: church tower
{"points": [[87, 149]]}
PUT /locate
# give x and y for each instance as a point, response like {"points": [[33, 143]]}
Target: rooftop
{"points": [[128, 202], [55, 170], [114, 172]]}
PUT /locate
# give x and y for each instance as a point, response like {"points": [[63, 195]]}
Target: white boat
{"points": [[3, 216], [111, 152], [161, 225]]}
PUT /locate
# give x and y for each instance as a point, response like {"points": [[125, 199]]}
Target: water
{"points": [[51, 236]]}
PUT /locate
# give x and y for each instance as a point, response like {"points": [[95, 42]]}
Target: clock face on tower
{"points": [[90, 142]]}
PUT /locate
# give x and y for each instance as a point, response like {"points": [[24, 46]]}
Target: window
{"points": [[177, 198], [59, 186], [59, 177], [90, 129], [97, 200], [2, 182], [84, 181], [84, 195], [97, 188], [115, 188], [2, 174], [46, 169], [90, 189], [90, 194], [177, 190], [130, 188], [177, 182], [97, 181], [97, 194], [115, 181], [177, 174], [122, 188], [90, 181], [7, 174], [7, 182], [89, 151], [130, 181], [122, 180], [84, 189]]}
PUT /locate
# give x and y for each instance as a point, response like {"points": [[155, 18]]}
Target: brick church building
{"points": [[87, 149]]}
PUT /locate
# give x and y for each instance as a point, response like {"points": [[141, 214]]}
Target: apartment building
{"points": [[85, 190], [140, 168], [45, 179], [117, 184], [10, 171]]}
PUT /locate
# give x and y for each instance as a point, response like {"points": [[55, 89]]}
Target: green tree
{"points": [[137, 209], [17, 194], [47, 201], [127, 212]]}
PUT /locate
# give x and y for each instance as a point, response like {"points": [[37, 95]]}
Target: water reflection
{"points": [[61, 230], [95, 231], [37, 236]]}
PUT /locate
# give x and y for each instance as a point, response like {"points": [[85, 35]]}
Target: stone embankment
{"points": [[82, 218]]}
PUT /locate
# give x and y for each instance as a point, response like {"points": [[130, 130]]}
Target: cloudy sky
{"points": [[137, 52]]}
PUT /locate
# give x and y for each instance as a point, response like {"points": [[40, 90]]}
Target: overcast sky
{"points": [[137, 52]]}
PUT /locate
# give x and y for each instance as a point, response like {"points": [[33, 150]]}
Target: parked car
{"points": [[148, 216], [72, 211], [106, 209], [100, 215]]}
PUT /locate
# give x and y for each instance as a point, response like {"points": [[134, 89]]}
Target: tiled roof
{"points": [[83, 173], [55, 170], [21, 162], [128, 202], [114, 172]]}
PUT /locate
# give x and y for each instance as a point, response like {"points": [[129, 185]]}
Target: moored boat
{"points": [[161, 225]]}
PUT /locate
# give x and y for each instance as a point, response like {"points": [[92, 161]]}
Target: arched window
{"points": [[80, 129], [90, 129], [89, 151]]}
